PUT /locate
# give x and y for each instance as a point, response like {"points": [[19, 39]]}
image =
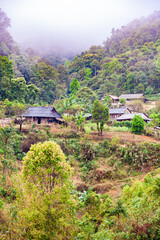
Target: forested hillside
{"points": [[127, 62], [68, 181]]}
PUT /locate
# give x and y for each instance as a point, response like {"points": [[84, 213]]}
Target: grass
{"points": [[93, 127], [120, 129]]}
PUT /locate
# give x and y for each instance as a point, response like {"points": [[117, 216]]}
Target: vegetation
{"points": [[100, 115], [66, 182], [137, 124]]}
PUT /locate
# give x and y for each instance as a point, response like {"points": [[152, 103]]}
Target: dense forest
{"points": [[66, 181], [128, 62]]}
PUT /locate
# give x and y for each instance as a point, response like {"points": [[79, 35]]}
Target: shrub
{"points": [[137, 124]]}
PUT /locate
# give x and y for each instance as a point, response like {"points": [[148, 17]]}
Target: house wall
{"points": [[43, 120], [114, 116]]}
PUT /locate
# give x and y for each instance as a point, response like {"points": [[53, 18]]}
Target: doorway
{"points": [[39, 120]]}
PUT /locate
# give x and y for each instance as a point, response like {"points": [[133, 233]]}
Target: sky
{"points": [[71, 26]]}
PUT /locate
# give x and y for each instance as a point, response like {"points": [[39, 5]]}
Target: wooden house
{"points": [[42, 115], [114, 99], [129, 117], [117, 112], [133, 97]]}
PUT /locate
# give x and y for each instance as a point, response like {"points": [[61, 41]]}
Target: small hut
{"points": [[42, 115]]}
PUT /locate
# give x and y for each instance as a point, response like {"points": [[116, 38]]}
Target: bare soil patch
{"points": [[123, 137]]}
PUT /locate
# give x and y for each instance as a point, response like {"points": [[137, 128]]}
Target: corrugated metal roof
{"points": [[114, 97], [48, 112], [117, 110], [129, 116], [131, 96]]}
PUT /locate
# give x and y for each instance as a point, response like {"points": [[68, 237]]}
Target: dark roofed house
{"points": [[129, 117], [115, 99], [42, 115], [117, 112], [132, 97]]}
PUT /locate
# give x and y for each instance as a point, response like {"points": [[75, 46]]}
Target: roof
{"points": [[129, 116], [114, 97], [131, 96], [48, 112], [118, 110]]}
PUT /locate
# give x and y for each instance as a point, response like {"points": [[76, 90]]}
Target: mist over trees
{"points": [[127, 62]]}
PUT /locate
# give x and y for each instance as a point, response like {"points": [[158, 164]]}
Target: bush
{"points": [[122, 124], [137, 124]]}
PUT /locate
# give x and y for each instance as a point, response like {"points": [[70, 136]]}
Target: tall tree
{"points": [[100, 115], [5, 37], [6, 73], [49, 212]]}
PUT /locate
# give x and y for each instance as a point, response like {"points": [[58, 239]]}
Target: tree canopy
{"points": [[100, 115]]}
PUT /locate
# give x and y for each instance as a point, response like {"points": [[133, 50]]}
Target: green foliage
{"points": [[9, 148], [6, 74], [80, 119], [86, 96], [49, 212], [156, 118], [122, 101], [100, 115], [122, 124], [137, 124], [74, 86]]}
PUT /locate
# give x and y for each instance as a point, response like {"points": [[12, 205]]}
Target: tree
{"points": [[86, 95], [6, 73], [32, 93], [100, 115], [9, 146], [74, 86], [95, 66], [137, 124], [49, 212], [19, 88], [5, 37]]}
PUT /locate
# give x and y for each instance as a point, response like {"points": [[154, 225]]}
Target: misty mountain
{"points": [[127, 62]]}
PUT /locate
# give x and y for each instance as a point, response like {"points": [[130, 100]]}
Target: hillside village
{"points": [[80, 138]]}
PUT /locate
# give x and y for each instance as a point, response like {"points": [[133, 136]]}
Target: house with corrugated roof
{"points": [[132, 97], [42, 115], [130, 116], [117, 112]]}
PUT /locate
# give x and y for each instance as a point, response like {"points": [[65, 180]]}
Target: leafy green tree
{"points": [[49, 212], [18, 88], [107, 100], [80, 119], [156, 118], [74, 86], [149, 90], [63, 76], [100, 115], [9, 147], [139, 88], [88, 73], [31, 94], [130, 82], [95, 66], [6, 73], [137, 124], [86, 95]]}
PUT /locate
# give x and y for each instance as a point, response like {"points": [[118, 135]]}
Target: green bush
{"points": [[137, 124], [122, 124]]}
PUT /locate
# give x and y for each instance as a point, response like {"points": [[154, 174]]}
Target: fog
{"points": [[68, 27]]}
